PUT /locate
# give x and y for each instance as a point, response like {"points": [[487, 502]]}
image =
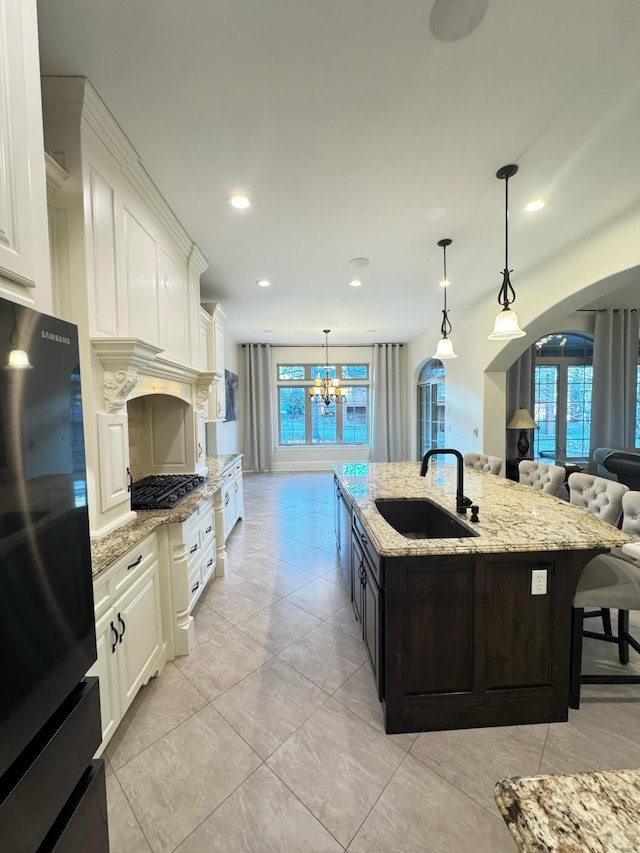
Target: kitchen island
{"points": [[472, 630]]}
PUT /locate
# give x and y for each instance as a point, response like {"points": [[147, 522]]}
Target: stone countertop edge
{"points": [[513, 517], [594, 812], [109, 548]]}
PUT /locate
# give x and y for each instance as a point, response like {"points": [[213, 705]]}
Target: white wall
{"points": [[547, 299]]}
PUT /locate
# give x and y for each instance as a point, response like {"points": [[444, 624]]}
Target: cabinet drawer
{"points": [[208, 564], [124, 572], [195, 583], [369, 551]]}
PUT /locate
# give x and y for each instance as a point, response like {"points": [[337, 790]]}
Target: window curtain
{"points": [[388, 403], [258, 421], [615, 356], [520, 395]]}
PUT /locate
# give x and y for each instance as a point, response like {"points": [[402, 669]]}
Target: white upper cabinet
{"points": [[24, 249], [217, 407], [136, 271]]}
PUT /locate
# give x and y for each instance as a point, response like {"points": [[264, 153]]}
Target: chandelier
{"points": [[327, 390]]}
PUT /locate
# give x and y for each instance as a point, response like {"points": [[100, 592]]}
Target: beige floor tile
{"points": [[221, 662], [359, 694], [267, 706], [345, 620], [283, 579], [600, 736], [316, 561], [159, 707], [474, 759], [325, 656], [208, 623], [237, 604], [125, 834], [338, 766], [420, 811], [175, 784], [321, 598], [279, 625], [261, 816]]}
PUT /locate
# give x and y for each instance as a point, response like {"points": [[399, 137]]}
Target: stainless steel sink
{"points": [[421, 519]]}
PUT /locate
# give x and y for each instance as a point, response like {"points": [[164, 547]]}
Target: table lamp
{"points": [[523, 421]]}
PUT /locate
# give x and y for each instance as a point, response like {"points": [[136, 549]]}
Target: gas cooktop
{"points": [[163, 491]]}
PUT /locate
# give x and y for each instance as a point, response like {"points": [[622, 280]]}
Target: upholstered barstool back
{"points": [[609, 581], [482, 462], [599, 496], [539, 475]]}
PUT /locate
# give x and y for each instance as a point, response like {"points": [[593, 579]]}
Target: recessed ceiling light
{"points": [[262, 282], [239, 201], [535, 204], [355, 283], [359, 262]]}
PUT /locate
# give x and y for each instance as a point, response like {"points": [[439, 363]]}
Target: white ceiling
{"points": [[357, 134]]}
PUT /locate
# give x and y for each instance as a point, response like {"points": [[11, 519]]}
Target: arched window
{"points": [[430, 406], [562, 408]]}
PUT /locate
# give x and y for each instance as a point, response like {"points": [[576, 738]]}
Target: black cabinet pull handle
{"points": [[194, 549], [117, 637], [226, 498], [124, 627], [210, 563], [137, 563], [208, 530], [130, 479], [364, 539], [194, 588]]}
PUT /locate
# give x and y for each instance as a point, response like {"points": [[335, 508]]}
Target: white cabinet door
{"points": [[17, 249], [205, 346], [106, 668], [137, 619], [201, 442], [113, 452]]}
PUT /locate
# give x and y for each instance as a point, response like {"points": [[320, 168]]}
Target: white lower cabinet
{"points": [[128, 631], [193, 562], [232, 497]]}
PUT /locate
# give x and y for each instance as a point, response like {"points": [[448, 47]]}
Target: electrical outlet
{"points": [[539, 582]]}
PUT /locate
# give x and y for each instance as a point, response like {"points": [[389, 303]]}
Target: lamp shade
{"points": [[506, 326], [522, 420], [445, 349]]}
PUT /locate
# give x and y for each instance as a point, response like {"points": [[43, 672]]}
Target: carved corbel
{"points": [[118, 384], [203, 389]]}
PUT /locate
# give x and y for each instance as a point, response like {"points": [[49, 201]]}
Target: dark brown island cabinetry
{"points": [[461, 639]]}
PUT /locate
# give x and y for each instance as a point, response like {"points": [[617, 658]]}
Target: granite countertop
{"points": [[574, 813], [109, 548], [513, 517]]}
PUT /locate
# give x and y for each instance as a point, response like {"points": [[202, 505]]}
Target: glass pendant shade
{"points": [[445, 349], [18, 360], [506, 326], [445, 345]]}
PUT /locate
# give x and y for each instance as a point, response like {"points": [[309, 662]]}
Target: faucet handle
{"points": [[475, 509]]}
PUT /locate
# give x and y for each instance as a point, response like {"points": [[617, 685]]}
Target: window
{"points": [[431, 406], [562, 410], [302, 422]]}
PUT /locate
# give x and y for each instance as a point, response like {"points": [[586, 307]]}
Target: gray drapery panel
{"points": [[388, 403], [258, 424], [615, 356], [520, 395]]}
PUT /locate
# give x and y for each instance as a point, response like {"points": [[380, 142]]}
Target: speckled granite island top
{"points": [[574, 813], [111, 547], [513, 517]]}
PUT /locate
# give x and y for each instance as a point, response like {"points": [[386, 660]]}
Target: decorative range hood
{"points": [[133, 367]]}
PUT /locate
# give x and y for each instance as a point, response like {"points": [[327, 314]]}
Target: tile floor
{"points": [[269, 736]]}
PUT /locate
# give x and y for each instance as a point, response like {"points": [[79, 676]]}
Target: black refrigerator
{"points": [[52, 792]]}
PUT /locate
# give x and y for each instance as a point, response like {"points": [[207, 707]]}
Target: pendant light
{"points": [[506, 325], [445, 344]]}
